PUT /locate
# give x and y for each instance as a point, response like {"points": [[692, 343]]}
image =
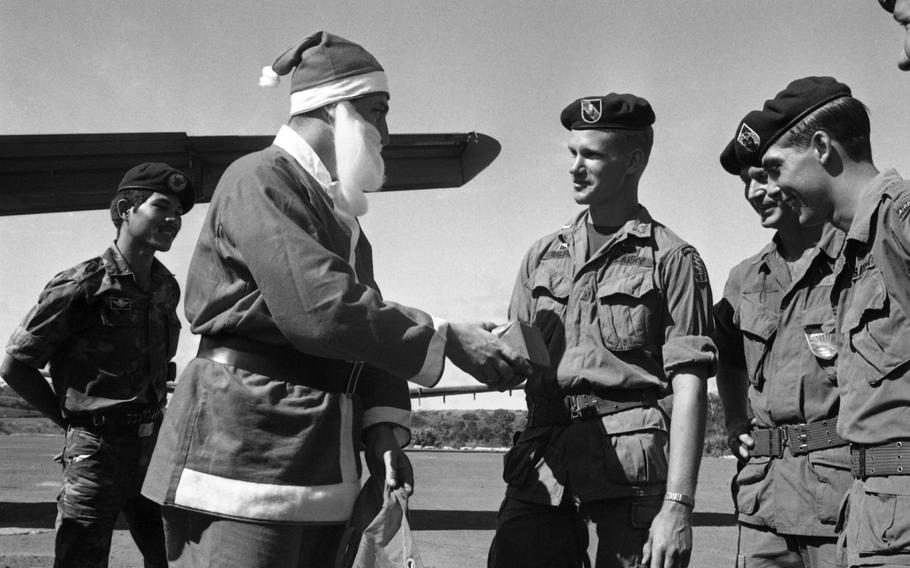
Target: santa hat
{"points": [[326, 69]]}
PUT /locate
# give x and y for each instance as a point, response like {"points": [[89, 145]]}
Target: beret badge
{"points": [[748, 138], [177, 182], [591, 110]]}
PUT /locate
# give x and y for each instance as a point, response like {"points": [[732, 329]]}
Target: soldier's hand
{"points": [[476, 351], [669, 542], [740, 441]]}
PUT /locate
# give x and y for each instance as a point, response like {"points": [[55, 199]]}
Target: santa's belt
{"points": [[892, 458], [281, 362], [801, 438], [586, 406]]}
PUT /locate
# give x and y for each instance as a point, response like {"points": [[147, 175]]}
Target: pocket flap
{"points": [[636, 285], [756, 319], [550, 283], [634, 420], [870, 295]]}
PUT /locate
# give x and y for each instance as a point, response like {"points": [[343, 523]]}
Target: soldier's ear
{"points": [[123, 209]]}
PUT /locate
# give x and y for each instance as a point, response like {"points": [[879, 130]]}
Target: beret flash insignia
{"points": [[177, 182], [748, 138], [591, 110]]}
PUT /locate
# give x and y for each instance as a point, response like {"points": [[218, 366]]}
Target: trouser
{"points": [[196, 540], [761, 547], [533, 535], [102, 474]]}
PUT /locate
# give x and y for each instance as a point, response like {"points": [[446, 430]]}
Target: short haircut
{"points": [[642, 139], [846, 120], [135, 198]]}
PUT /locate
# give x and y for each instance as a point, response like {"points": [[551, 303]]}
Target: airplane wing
{"points": [[47, 173]]}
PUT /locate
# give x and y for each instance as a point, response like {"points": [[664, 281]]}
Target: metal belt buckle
{"points": [[798, 439], [584, 412], [145, 429]]}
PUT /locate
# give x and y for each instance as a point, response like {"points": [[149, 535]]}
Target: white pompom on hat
{"points": [[326, 69]]}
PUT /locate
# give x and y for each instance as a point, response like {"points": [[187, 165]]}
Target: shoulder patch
{"points": [[903, 208], [561, 252], [698, 267]]}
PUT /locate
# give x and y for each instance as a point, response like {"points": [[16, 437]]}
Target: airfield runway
{"points": [[453, 511]]}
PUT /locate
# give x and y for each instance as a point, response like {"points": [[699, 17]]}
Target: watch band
{"points": [[679, 498]]}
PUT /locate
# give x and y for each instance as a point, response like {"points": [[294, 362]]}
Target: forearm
{"points": [[29, 383], [687, 431], [733, 389]]}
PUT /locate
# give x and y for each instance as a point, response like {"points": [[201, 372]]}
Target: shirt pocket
{"points": [[550, 290], [637, 446], [876, 328], [624, 305], [759, 325], [749, 484], [118, 318]]}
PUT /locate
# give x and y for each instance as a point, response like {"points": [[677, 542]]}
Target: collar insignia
{"points": [[591, 110]]}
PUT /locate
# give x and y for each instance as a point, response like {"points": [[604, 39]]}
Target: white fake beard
{"points": [[358, 158]]}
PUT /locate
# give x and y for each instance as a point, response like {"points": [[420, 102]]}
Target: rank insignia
{"points": [[591, 110], [748, 138], [121, 304], [177, 182], [821, 344]]}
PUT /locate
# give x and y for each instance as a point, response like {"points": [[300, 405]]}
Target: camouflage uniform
{"points": [[788, 502], [872, 296], [109, 344], [618, 323]]}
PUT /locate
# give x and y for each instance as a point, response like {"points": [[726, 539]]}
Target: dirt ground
{"points": [[453, 511]]}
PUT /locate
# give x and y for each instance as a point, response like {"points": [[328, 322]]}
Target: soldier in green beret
{"points": [[813, 140], [108, 329], [624, 306]]}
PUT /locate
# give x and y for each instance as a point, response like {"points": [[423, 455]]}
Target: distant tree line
{"points": [[495, 428]]}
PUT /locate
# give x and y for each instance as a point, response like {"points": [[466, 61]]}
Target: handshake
{"points": [[498, 356]]}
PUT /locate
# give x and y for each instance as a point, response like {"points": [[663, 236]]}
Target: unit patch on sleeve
{"points": [[698, 267], [903, 208]]}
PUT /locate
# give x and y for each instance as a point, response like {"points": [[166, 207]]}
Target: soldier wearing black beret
{"points": [[775, 357], [624, 307], [813, 139], [107, 329]]}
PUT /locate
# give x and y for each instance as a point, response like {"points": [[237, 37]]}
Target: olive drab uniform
{"points": [[109, 344], [872, 296], [618, 323], [779, 329]]}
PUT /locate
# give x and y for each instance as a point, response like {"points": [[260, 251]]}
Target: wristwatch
{"points": [[679, 498]]}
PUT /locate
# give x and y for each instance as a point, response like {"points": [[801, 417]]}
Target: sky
{"points": [[504, 68]]}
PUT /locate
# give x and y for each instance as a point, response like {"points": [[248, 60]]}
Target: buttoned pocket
{"points": [[749, 484], [550, 290], [624, 305], [637, 446], [876, 327], [759, 325]]}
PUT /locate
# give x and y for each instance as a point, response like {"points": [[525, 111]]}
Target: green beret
{"points": [[160, 177], [609, 112], [762, 128]]}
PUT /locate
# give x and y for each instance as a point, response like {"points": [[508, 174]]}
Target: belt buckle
{"points": [[145, 429], [802, 436], [584, 412]]}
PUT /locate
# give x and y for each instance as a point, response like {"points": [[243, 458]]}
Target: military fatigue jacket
{"points": [[764, 321], [625, 317], [872, 295], [108, 341]]}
